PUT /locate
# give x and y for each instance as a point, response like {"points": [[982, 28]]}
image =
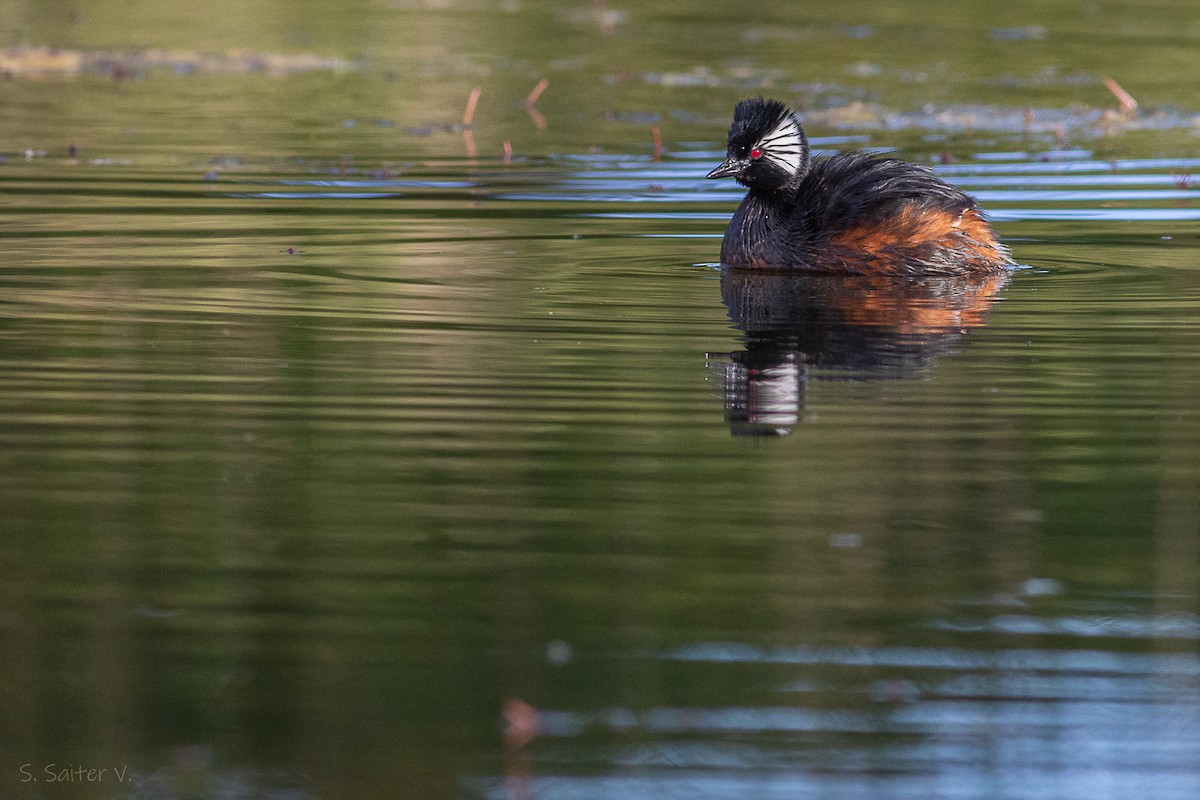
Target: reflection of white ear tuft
{"points": [[782, 145]]}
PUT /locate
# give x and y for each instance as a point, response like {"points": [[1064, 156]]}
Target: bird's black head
{"points": [[767, 146]]}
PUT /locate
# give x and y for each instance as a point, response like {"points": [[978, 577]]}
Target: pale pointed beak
{"points": [[729, 168]]}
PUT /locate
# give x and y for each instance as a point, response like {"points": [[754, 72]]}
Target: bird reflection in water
{"points": [[798, 325]]}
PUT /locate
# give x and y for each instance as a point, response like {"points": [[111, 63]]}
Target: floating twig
{"points": [[472, 101], [658, 148], [1128, 105], [520, 723], [1183, 182], [539, 120], [536, 92]]}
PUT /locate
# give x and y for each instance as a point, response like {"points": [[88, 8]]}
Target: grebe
{"points": [[852, 213]]}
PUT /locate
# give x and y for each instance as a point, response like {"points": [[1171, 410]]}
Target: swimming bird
{"points": [[852, 213]]}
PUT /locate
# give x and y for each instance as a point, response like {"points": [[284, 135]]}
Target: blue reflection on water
{"points": [[968, 724]]}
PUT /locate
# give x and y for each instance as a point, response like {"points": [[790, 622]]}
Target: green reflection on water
{"points": [[323, 511]]}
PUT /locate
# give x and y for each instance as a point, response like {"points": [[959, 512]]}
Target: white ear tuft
{"points": [[783, 144]]}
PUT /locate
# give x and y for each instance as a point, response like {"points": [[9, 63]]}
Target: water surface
{"points": [[344, 456]]}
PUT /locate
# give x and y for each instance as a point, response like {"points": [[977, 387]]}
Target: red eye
{"points": [[756, 153]]}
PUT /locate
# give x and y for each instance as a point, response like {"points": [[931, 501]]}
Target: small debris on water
{"points": [[1026, 33], [895, 690], [845, 541], [558, 653], [1041, 587]]}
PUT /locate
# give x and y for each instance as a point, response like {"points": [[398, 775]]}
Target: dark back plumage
{"points": [[857, 188]]}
